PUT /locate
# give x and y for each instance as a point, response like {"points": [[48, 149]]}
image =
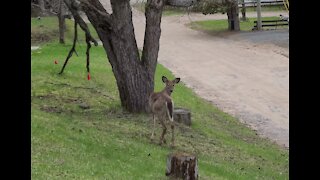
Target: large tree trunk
{"points": [[62, 22], [233, 16], [134, 76]]}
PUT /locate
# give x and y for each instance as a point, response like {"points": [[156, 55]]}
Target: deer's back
{"points": [[157, 102]]}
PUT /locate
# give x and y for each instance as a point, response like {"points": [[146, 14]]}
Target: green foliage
{"points": [[210, 6]]}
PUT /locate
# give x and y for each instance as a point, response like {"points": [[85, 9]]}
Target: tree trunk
{"points": [[182, 165], [62, 22], [233, 17], [243, 11], [42, 7], [134, 76], [182, 115]]}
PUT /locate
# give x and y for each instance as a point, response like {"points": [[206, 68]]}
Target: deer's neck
{"points": [[165, 91]]}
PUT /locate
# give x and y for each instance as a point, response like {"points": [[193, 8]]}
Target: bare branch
{"points": [[88, 54], [73, 7], [102, 12], [96, 12], [73, 49], [46, 10]]}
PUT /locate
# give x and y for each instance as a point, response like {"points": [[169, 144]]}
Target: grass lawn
{"points": [[171, 11], [105, 142], [216, 26], [265, 8], [47, 30]]}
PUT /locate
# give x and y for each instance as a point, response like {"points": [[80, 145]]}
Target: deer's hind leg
{"points": [[154, 127], [172, 131], [164, 130]]}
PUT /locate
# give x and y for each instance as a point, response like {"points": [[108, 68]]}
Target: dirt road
{"points": [[246, 79]]}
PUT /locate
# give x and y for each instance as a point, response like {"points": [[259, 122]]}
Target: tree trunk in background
{"points": [[62, 22], [243, 11], [134, 76], [42, 7], [233, 16]]}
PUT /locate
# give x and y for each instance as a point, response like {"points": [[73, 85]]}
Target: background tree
{"points": [[134, 75], [57, 8], [60, 10], [222, 6], [243, 11], [62, 21], [42, 7]]}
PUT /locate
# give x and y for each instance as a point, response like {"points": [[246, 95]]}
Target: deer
{"points": [[161, 105]]}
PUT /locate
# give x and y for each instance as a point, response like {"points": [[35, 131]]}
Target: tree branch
{"points": [[73, 49], [88, 54], [46, 10], [98, 9], [150, 51], [73, 7], [96, 12]]}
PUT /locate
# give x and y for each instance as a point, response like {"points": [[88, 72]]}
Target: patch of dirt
{"points": [[43, 36], [51, 109], [36, 38]]}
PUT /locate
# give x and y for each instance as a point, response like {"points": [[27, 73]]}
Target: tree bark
{"points": [[62, 22], [233, 16], [182, 165], [243, 11], [134, 76], [42, 7], [182, 115]]}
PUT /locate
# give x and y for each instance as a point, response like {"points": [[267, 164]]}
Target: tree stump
{"points": [[182, 115], [182, 165]]}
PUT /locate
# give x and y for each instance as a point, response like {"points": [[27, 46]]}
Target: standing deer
{"points": [[161, 105]]}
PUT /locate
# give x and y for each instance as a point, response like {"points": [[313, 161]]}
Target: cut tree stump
{"points": [[182, 115], [182, 165]]}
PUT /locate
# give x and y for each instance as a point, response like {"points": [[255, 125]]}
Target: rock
{"points": [[84, 106]]}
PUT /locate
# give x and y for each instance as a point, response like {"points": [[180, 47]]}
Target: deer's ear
{"points": [[177, 80], [164, 79]]}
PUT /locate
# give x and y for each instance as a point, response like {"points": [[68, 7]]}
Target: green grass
{"points": [[106, 142], [217, 26], [47, 30], [265, 8]]}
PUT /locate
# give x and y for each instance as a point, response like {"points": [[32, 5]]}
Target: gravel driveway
{"points": [[244, 74]]}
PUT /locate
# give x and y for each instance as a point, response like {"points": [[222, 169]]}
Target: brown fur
{"points": [[161, 105]]}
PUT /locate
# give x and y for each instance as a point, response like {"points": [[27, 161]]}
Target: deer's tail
{"points": [[170, 106]]}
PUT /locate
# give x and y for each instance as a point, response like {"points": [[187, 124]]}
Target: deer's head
{"points": [[170, 84]]}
